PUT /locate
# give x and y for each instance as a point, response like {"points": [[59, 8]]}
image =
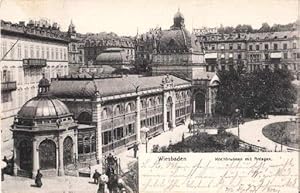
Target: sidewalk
{"points": [[251, 132], [164, 139]]}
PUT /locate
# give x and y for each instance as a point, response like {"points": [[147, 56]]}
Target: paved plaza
{"points": [[250, 132]]}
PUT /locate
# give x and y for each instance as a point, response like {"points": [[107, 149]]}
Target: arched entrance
{"points": [[68, 151], [47, 154], [199, 100], [169, 110], [25, 152]]}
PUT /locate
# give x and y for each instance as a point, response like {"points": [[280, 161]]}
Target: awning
{"points": [[276, 55], [211, 56]]}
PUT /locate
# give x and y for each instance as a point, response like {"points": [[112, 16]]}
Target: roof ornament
{"points": [[43, 86]]}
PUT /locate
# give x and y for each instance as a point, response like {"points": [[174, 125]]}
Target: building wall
{"points": [[253, 50], [119, 119], [26, 79]]}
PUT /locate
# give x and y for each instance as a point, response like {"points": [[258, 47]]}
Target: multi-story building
{"points": [[27, 51], [75, 49], [253, 50], [224, 51], [145, 45], [273, 50], [95, 44]]}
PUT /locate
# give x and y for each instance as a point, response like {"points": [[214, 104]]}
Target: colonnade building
{"points": [[109, 113]]}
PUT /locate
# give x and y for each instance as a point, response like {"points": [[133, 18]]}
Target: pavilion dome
{"points": [[112, 56], [43, 107]]}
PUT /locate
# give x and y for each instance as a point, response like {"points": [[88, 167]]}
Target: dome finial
{"points": [[43, 85]]}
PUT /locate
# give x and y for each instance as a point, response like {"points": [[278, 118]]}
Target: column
{"points": [[96, 114], [166, 127], [35, 158], [173, 111], [61, 171], [16, 160], [138, 119], [75, 147], [209, 100]]}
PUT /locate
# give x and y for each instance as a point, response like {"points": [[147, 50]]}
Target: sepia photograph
{"points": [[143, 96]]}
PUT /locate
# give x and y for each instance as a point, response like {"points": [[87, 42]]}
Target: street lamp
{"points": [[145, 130], [238, 121]]}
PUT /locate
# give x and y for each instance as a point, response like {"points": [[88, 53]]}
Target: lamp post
{"points": [[238, 121]]}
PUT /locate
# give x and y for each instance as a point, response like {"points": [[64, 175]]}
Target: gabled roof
{"points": [[108, 87]]}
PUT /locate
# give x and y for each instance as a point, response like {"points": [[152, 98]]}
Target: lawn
{"points": [[203, 142], [283, 133]]}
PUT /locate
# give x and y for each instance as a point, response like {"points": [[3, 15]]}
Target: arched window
{"points": [[117, 110], [80, 145], [104, 113], [47, 153], [129, 108], [87, 148], [149, 104], [68, 151], [84, 118]]}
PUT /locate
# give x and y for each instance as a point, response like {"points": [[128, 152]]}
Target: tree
{"points": [[259, 91], [265, 27]]}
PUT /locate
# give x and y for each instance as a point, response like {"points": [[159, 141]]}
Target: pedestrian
{"points": [[38, 179], [96, 177], [190, 127], [135, 149]]}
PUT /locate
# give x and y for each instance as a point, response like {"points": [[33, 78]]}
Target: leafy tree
{"points": [[265, 27], [259, 91]]}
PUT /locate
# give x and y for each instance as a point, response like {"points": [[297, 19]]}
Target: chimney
{"points": [[22, 23]]}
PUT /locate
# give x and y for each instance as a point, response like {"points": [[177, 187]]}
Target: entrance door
{"points": [[47, 153], [68, 151], [25, 150]]}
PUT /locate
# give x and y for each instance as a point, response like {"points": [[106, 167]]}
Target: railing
{"points": [[33, 62], [9, 86], [247, 146]]}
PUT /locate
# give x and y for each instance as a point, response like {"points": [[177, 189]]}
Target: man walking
{"points": [[135, 149], [96, 177]]}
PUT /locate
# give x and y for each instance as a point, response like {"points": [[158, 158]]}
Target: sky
{"points": [[126, 17]]}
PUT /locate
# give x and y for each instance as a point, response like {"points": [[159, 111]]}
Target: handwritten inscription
{"points": [[219, 173]]}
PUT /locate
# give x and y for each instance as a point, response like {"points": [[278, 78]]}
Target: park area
{"points": [[284, 133]]}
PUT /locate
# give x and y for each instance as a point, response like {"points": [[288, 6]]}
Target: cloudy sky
{"points": [[124, 17]]}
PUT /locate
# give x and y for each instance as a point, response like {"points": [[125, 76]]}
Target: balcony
{"points": [[34, 63], [8, 86]]}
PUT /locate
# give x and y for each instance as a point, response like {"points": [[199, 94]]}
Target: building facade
{"points": [[27, 51], [252, 50], [180, 53], [95, 44], [115, 109], [75, 48]]}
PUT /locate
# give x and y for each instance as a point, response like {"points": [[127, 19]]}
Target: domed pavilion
{"points": [[179, 53], [44, 135]]}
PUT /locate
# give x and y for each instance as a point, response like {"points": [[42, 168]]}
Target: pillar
{"points": [[16, 159], [96, 116], [173, 111], [61, 171], [75, 147], [165, 122], [35, 158], [209, 100], [138, 119]]}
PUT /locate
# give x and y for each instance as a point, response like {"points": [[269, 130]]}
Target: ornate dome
{"points": [[43, 107], [178, 15], [178, 39], [112, 56]]}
